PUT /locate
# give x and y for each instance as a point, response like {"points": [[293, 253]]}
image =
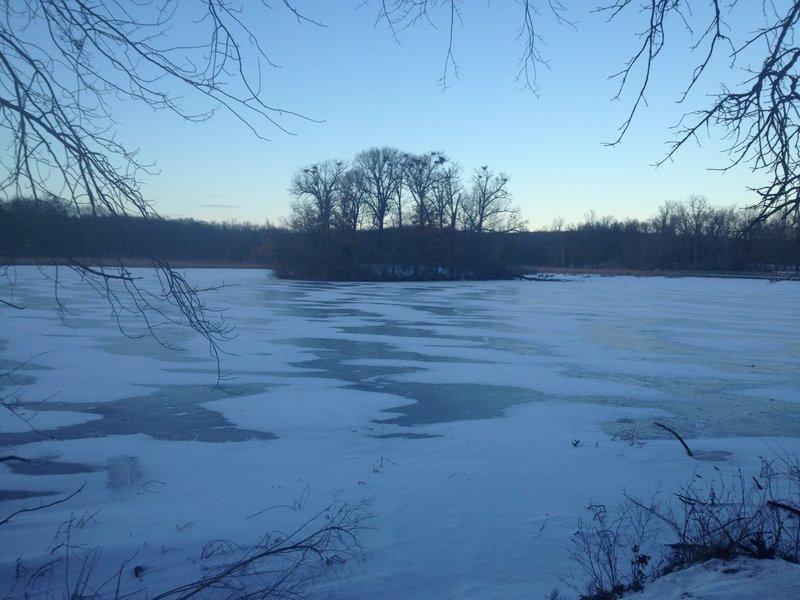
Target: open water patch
{"points": [[337, 358], [8, 495], [447, 402], [392, 328], [171, 413], [418, 403], [9, 377], [322, 312], [14, 373], [164, 349], [405, 436], [49, 466]]}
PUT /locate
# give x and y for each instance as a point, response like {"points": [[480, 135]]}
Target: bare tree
{"points": [[698, 212], [448, 197], [722, 222], [399, 205], [421, 172], [558, 224], [489, 206], [317, 190], [664, 223], [352, 199], [382, 170]]}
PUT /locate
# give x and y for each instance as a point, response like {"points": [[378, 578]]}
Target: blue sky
{"points": [[368, 90]]}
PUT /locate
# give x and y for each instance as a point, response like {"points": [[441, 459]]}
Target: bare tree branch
{"points": [[42, 506], [282, 562], [63, 63], [758, 118], [400, 15], [532, 56]]}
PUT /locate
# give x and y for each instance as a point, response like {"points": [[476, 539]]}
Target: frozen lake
{"points": [[478, 418]]}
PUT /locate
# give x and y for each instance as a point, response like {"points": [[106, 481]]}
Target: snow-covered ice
{"points": [[477, 417]]}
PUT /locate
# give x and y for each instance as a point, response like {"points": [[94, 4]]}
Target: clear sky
{"points": [[366, 89]]}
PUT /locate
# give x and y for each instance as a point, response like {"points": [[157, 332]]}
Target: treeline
{"points": [[389, 213], [682, 236], [52, 229], [685, 236]]}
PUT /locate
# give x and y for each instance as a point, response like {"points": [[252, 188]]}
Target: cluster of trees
{"points": [[389, 214], [343, 209], [689, 235], [686, 235], [384, 186]]}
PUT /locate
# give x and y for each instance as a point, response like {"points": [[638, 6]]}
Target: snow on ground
{"points": [[477, 418], [738, 579]]}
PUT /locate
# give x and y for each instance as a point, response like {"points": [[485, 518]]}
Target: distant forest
{"points": [[393, 214], [681, 236]]}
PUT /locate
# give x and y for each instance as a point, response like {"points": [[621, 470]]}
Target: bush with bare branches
{"points": [[280, 565], [756, 517]]}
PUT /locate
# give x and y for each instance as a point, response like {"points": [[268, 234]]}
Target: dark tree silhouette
{"points": [[383, 170], [448, 196], [317, 190], [352, 199], [489, 206], [421, 172]]}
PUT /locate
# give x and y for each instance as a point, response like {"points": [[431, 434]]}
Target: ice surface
{"points": [[454, 407]]}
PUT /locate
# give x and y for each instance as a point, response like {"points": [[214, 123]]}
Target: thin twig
{"points": [[42, 506]]}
